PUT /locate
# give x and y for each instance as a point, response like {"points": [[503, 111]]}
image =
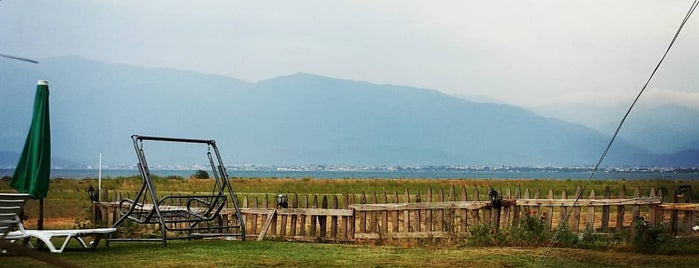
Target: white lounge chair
{"points": [[18, 232]]}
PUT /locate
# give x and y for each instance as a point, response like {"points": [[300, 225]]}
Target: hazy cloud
{"points": [[529, 53]]}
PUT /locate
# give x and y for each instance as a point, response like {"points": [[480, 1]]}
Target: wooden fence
{"points": [[352, 217]]}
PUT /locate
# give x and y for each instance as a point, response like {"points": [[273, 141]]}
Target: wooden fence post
{"points": [[314, 219], [506, 210], [441, 221], [384, 214], [429, 220], [346, 221], [516, 210], [253, 226], [620, 210], [549, 209], [406, 214], [294, 218], [373, 222], [394, 216], [333, 219], [302, 220], [605, 210], [323, 220], [418, 218], [475, 218], [590, 224], [362, 215], [564, 210], [575, 219], [464, 212], [283, 231]]}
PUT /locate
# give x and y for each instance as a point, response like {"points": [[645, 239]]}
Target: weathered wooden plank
{"points": [[429, 218], [464, 212], [266, 226], [323, 220], [564, 209], [590, 202], [333, 219], [575, 217], [679, 206], [373, 217], [384, 215], [362, 214], [345, 221], [299, 211], [549, 211], [605, 210], [432, 205], [314, 218], [394, 216], [294, 217], [418, 216], [687, 225], [590, 221], [302, 219], [402, 235], [406, 214], [441, 222], [475, 217], [620, 210], [516, 214]]}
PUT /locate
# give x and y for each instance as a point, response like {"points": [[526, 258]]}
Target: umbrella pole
{"points": [[40, 223]]}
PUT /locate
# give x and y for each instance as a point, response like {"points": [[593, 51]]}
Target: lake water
{"points": [[417, 174]]}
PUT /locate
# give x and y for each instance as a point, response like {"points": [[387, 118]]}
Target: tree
{"points": [[201, 174]]}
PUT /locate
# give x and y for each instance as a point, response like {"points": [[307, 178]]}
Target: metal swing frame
{"points": [[188, 214]]}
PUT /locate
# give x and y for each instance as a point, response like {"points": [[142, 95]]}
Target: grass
{"points": [[220, 253], [68, 198]]}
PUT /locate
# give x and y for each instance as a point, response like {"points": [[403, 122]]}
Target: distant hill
{"points": [[9, 160], [665, 129], [294, 119]]}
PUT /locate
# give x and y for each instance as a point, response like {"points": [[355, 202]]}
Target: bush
{"points": [[649, 238], [201, 174], [532, 231]]}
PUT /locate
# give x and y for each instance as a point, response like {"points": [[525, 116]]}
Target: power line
{"points": [[616, 132]]}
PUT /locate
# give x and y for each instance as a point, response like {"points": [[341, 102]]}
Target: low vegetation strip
{"points": [[218, 253]]}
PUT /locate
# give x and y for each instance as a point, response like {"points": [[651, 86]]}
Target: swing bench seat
{"points": [[176, 210], [183, 216]]}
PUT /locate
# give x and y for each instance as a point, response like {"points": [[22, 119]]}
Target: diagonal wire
{"points": [[18, 58], [616, 132]]}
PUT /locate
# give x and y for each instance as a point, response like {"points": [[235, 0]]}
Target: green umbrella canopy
{"points": [[34, 167]]}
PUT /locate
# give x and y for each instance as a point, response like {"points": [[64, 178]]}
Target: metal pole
{"points": [[99, 180]]}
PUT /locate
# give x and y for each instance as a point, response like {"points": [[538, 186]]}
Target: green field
{"points": [[219, 253], [68, 198]]}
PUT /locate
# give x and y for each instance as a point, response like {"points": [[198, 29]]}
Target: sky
{"points": [[548, 56]]}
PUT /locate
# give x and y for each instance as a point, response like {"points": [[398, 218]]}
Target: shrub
{"points": [[201, 174], [649, 238]]}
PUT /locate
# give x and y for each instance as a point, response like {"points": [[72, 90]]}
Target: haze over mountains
{"points": [[308, 119]]}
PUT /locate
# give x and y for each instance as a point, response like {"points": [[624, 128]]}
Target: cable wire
{"points": [[616, 132]]}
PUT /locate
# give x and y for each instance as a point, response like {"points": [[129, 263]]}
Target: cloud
{"points": [[527, 53]]}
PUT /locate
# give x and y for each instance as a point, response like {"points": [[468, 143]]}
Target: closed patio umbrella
{"points": [[34, 166]]}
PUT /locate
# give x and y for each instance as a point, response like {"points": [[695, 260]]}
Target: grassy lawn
{"points": [[219, 253]]}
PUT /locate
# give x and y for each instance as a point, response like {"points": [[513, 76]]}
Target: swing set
{"points": [[183, 216]]}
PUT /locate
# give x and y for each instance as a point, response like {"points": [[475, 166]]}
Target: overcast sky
{"points": [[530, 53]]}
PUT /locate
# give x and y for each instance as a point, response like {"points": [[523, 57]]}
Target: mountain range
{"points": [[307, 119]]}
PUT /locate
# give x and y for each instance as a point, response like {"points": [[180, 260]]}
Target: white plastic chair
{"points": [[9, 210]]}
